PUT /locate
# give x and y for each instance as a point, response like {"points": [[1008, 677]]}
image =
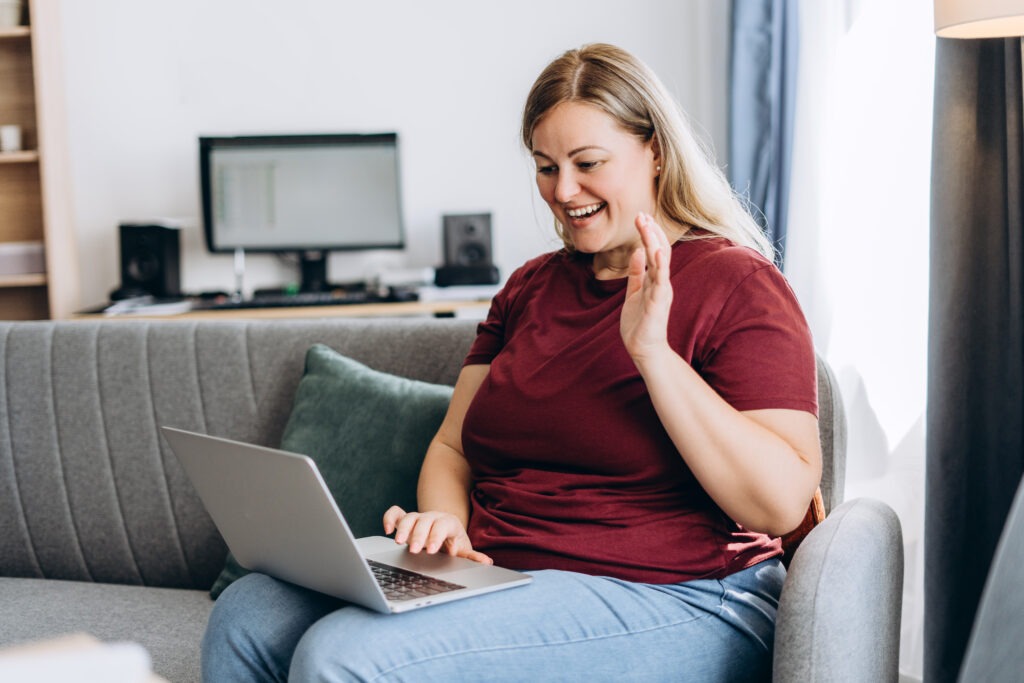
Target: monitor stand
{"points": [[313, 271], [239, 274]]}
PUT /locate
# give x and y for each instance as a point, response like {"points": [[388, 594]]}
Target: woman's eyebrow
{"points": [[586, 148], [573, 153]]}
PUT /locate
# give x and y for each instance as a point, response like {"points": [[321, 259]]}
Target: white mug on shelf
{"points": [[10, 138], [10, 13]]}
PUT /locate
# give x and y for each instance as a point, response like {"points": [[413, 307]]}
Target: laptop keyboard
{"points": [[401, 584]]}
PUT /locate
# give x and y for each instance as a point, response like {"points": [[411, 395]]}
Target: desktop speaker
{"points": [[150, 261], [467, 240], [467, 251]]}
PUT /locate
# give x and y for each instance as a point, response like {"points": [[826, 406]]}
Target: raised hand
{"points": [[431, 532], [644, 320]]}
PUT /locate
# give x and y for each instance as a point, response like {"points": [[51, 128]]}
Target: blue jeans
{"points": [[563, 626]]}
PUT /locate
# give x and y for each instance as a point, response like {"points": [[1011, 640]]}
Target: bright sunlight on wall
{"points": [[857, 251]]}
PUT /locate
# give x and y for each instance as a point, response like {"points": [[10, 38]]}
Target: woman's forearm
{"points": [[761, 467], [444, 482], [445, 477]]}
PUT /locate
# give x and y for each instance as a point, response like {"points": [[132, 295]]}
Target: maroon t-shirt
{"points": [[571, 467]]}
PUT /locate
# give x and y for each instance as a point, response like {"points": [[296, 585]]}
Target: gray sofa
{"points": [[101, 532]]}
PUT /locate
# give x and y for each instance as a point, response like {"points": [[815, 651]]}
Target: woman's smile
{"points": [[579, 218]]}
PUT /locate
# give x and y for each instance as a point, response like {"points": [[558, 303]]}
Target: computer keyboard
{"points": [[328, 298], [402, 584]]}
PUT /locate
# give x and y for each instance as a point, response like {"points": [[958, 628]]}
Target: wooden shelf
{"points": [[25, 157], [15, 32], [35, 183], [25, 280]]}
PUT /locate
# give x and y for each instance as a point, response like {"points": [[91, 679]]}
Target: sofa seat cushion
{"points": [[168, 622]]}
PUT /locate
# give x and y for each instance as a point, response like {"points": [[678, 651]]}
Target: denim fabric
{"points": [[563, 626]]}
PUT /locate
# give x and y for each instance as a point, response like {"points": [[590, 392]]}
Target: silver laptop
{"points": [[278, 517]]}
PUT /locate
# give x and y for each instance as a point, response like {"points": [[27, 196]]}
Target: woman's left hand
{"points": [[644, 320]]}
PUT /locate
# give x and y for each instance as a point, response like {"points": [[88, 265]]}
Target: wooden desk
{"points": [[441, 309]]}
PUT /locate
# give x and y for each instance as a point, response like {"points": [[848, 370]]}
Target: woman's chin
{"points": [[585, 248], [586, 241], [592, 242]]}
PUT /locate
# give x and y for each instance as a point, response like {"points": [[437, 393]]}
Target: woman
{"points": [[635, 425]]}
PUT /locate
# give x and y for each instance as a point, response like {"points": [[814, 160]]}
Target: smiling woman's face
{"points": [[595, 176]]}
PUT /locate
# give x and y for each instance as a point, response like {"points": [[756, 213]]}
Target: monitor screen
{"points": [[295, 193]]}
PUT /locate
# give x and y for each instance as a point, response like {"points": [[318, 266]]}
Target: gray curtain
{"points": [[975, 450], [762, 101]]}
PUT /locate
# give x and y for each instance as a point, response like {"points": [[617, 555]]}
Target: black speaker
{"points": [[467, 240], [467, 251], [150, 261]]}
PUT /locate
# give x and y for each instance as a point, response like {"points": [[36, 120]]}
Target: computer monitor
{"points": [[303, 194]]}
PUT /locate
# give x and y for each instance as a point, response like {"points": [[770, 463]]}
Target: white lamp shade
{"points": [[979, 18]]}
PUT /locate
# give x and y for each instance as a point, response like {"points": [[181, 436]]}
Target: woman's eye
{"points": [[546, 170], [588, 165]]}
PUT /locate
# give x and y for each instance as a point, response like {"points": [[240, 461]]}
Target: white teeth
{"points": [[584, 210]]}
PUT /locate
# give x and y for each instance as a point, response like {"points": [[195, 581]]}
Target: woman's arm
{"points": [[444, 484], [761, 466]]}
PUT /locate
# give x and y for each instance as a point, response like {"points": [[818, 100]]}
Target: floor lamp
{"points": [[979, 18], [992, 652]]}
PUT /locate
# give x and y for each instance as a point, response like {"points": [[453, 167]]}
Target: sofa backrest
{"points": [[90, 491]]}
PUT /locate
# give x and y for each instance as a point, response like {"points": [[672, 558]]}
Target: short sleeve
{"points": [[759, 352], [491, 334]]}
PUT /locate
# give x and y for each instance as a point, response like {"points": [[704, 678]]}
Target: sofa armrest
{"points": [[839, 614]]}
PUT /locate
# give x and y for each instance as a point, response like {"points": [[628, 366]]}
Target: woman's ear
{"points": [[656, 150]]}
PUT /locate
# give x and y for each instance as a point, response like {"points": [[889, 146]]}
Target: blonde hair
{"points": [[691, 189]]}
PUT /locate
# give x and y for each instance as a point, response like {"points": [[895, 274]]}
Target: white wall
{"points": [[144, 79]]}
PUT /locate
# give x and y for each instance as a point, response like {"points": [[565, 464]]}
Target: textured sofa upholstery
{"points": [[101, 532]]}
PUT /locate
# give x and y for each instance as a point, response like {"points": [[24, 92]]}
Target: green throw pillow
{"points": [[366, 430]]}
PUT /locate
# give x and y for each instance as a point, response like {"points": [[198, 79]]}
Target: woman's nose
{"points": [[566, 187]]}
